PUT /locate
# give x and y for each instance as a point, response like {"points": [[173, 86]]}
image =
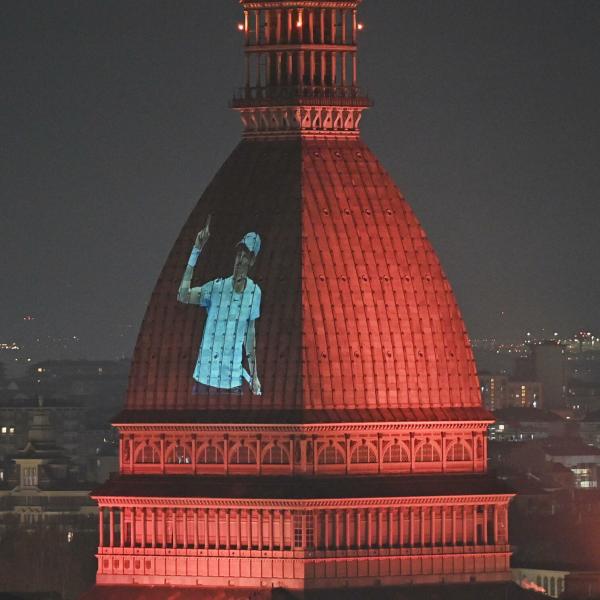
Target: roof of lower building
{"points": [[365, 415], [299, 488], [527, 414]]}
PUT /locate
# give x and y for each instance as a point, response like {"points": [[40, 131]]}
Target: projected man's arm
{"points": [[186, 293], [250, 345]]}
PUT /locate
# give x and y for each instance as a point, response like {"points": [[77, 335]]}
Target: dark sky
{"points": [[113, 119]]}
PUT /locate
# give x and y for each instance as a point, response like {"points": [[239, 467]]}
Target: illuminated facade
{"points": [[303, 408]]}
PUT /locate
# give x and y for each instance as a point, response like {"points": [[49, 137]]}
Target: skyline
{"points": [[116, 121]]}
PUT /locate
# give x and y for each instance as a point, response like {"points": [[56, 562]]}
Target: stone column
{"points": [[228, 529], [400, 527], [133, 516], [143, 519], [454, 526], [111, 526], [206, 529], [122, 527], [185, 527], [484, 526], [101, 526], [153, 525], [495, 523]]}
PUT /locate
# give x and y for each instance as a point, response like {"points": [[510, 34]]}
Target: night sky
{"points": [[114, 118]]}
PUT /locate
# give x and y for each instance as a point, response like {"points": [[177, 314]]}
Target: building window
{"points": [[243, 455], [275, 455], [310, 531], [148, 454], [458, 452], [331, 455], [396, 453], [30, 476], [210, 455], [363, 454], [297, 530], [179, 455], [427, 452]]}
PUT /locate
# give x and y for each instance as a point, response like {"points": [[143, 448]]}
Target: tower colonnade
{"points": [[300, 46], [300, 68], [169, 541]]}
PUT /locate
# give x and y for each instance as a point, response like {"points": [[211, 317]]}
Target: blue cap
{"points": [[252, 242]]}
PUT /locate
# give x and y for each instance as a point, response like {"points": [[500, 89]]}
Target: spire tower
{"points": [[300, 69], [303, 409]]}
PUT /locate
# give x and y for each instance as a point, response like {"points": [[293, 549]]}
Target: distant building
{"points": [[494, 390], [17, 416], [550, 363], [589, 428], [41, 482], [584, 396], [501, 391], [572, 452], [548, 581], [518, 424], [585, 584]]}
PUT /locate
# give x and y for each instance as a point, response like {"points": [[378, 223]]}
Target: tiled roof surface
{"points": [[356, 312], [299, 488]]}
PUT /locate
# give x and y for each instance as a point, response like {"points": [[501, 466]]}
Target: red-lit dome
{"points": [[356, 312], [303, 410]]}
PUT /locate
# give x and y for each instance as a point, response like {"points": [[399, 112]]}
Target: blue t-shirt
{"points": [[229, 313]]}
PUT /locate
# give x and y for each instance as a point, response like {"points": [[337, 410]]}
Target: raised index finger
{"points": [[207, 226]]}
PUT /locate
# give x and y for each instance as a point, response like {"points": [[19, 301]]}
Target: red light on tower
{"points": [[267, 435]]}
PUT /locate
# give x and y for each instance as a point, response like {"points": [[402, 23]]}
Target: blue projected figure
{"points": [[232, 305]]}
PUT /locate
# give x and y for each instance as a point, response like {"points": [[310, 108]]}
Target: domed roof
{"points": [[350, 306]]}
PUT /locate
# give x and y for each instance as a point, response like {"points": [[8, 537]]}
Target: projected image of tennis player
{"points": [[232, 305]]}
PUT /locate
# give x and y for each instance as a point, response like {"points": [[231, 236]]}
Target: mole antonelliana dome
{"points": [[303, 409], [355, 310]]}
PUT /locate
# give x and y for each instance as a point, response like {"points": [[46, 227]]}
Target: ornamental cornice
{"points": [[305, 504], [404, 426], [257, 4]]}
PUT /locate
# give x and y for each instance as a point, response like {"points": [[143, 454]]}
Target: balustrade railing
{"points": [[333, 94]]}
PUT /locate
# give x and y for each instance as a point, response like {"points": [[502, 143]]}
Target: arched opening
{"points": [[147, 454], [362, 454], [242, 455], [274, 454], [427, 453], [331, 455], [210, 455]]}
